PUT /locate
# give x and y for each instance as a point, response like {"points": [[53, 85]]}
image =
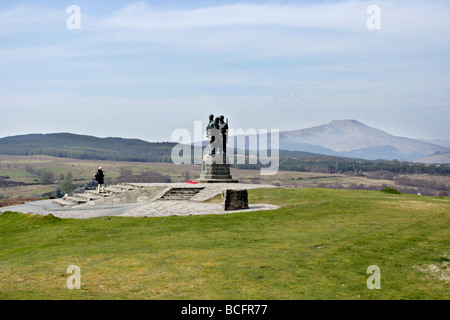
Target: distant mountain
{"points": [[438, 158], [68, 145], [439, 142], [351, 138]]}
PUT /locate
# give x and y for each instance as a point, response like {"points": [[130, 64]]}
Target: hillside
{"points": [[351, 138], [67, 145], [318, 245], [439, 142], [438, 158]]}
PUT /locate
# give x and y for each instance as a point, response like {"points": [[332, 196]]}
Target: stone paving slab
{"points": [[186, 208], [155, 208], [45, 207]]}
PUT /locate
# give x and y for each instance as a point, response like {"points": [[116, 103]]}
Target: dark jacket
{"points": [[99, 176]]}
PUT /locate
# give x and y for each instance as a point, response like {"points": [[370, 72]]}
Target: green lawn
{"points": [[317, 246]]}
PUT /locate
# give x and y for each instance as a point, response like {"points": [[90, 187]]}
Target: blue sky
{"points": [[141, 69]]}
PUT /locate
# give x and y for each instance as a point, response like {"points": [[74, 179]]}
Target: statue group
{"points": [[217, 134], [215, 166]]}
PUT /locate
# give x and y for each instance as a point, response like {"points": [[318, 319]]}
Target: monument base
{"points": [[234, 199], [215, 169], [217, 180]]}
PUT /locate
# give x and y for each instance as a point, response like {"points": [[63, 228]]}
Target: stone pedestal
{"points": [[234, 199], [215, 169]]}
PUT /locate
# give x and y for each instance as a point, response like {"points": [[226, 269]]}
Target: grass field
{"points": [[318, 245], [83, 171]]}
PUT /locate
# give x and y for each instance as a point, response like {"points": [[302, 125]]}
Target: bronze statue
{"points": [[211, 121], [210, 134], [223, 128], [217, 134], [216, 169], [216, 148]]}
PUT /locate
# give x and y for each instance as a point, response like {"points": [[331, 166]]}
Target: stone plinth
{"points": [[215, 169], [234, 199]]}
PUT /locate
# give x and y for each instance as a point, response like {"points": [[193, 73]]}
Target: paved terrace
{"points": [[144, 200]]}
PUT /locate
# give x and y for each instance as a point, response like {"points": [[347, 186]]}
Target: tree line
{"points": [[327, 164], [65, 145]]}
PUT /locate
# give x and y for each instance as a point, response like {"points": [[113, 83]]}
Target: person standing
{"points": [[100, 178]]}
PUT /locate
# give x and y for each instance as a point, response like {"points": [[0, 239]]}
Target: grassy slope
{"points": [[317, 246]]}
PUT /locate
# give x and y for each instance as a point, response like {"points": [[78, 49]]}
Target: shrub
{"points": [[390, 190]]}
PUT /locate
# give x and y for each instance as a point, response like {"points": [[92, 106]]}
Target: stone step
{"points": [[114, 190], [64, 203], [86, 196], [131, 185], [181, 193], [96, 193], [175, 197], [75, 200], [186, 189], [126, 187]]}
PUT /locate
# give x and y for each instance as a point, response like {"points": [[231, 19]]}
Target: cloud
{"points": [[250, 30], [400, 17], [141, 16], [286, 64], [280, 30], [29, 18], [111, 116]]}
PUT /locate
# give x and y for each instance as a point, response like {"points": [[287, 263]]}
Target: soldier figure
{"points": [[217, 142], [210, 135], [210, 123], [223, 127], [217, 133]]}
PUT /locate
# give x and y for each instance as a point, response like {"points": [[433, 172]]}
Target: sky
{"points": [[142, 69]]}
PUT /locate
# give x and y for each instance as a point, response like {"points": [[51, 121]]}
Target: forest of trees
{"points": [[328, 164], [65, 145]]}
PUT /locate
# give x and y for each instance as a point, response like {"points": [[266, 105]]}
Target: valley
{"points": [[41, 176]]}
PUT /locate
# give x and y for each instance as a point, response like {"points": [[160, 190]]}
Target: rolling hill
{"points": [[439, 142], [353, 143], [438, 158], [68, 145]]}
